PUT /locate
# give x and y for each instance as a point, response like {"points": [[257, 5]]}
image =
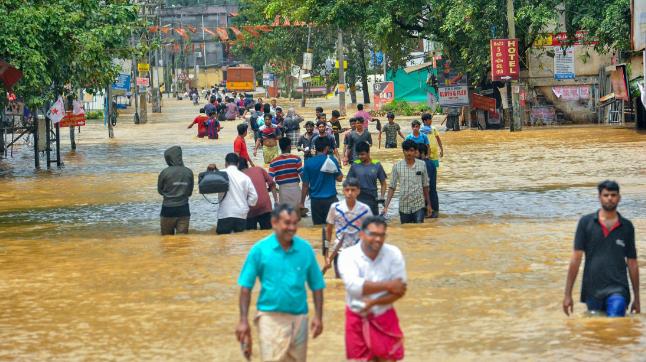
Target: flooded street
{"points": [[85, 275]]}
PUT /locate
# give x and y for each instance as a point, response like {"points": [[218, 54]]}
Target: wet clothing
{"points": [[282, 275], [322, 185], [347, 222], [415, 217], [614, 306], [285, 169], [433, 147], [231, 111], [412, 181], [230, 225], [305, 143], [354, 138], [369, 337], [175, 182], [290, 194], [333, 144], [376, 334], [368, 175], [261, 183], [174, 225], [421, 139], [263, 220], [240, 197], [269, 153], [282, 336], [391, 131], [320, 208], [202, 128], [431, 169], [213, 128], [240, 147], [606, 251]]}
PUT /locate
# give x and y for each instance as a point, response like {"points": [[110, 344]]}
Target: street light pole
{"points": [[308, 50]]}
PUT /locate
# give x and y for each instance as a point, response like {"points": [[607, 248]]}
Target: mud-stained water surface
{"points": [[84, 274]]}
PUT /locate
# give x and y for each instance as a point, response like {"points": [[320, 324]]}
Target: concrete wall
{"points": [[587, 62]]}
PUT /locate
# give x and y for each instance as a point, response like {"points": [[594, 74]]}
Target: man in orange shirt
{"points": [[240, 146]]}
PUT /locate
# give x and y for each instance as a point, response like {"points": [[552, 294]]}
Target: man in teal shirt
{"points": [[284, 263]]}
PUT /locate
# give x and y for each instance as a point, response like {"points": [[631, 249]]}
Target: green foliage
{"points": [[607, 21], [403, 108], [61, 45], [94, 115]]}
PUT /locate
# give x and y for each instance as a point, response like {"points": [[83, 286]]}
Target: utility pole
{"points": [[143, 106], [135, 74], [308, 50], [341, 85], [511, 34]]}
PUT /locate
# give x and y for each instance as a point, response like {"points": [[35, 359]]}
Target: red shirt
{"points": [[202, 129], [240, 147]]}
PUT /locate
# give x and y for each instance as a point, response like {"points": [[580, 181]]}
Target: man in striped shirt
{"points": [[285, 170]]}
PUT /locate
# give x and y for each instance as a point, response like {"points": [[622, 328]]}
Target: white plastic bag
{"points": [[329, 166]]}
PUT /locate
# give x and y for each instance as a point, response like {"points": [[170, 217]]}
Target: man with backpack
{"points": [[235, 203]]}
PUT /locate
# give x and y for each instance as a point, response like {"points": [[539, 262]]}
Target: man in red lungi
{"points": [[374, 274]]}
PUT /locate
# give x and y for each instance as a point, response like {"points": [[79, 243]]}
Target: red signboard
{"points": [[504, 59], [482, 102], [384, 92], [143, 81], [562, 39], [71, 120]]}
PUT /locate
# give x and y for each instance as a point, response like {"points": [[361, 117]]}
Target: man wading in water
{"points": [[374, 274], [608, 241], [283, 263]]}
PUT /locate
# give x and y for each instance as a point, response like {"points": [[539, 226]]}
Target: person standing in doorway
{"points": [[413, 193], [175, 184], [391, 129], [240, 146], [286, 169], [608, 241], [235, 203], [259, 214], [320, 186], [368, 172], [283, 263], [374, 275]]}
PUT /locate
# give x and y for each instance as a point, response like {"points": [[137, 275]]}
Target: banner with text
{"points": [[454, 96]]}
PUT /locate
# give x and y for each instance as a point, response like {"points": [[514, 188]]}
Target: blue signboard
{"points": [[122, 82]]}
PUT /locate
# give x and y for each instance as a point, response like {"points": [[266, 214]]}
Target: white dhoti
{"points": [[282, 337], [290, 194]]}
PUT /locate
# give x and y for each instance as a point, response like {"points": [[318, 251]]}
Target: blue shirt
{"points": [[322, 185], [282, 274], [419, 139]]}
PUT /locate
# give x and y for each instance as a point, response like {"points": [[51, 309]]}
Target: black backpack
{"points": [[213, 182]]}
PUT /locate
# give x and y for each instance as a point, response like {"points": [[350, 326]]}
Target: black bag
{"points": [[213, 182]]}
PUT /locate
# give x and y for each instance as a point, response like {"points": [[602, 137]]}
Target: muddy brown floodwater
{"points": [[84, 274]]}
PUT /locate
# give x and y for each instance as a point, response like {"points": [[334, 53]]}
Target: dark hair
{"points": [[390, 115], [352, 120], [415, 123], [319, 123], [358, 120], [242, 128], [351, 182], [336, 113], [360, 107], [219, 99], [213, 99], [285, 144], [370, 220], [279, 209], [231, 159], [409, 144], [321, 143], [362, 147], [266, 108], [278, 109], [242, 164], [608, 185], [257, 106], [267, 115], [319, 109], [201, 110], [426, 117], [309, 123], [422, 148]]}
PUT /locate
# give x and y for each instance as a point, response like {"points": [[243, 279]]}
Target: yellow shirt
{"points": [[433, 147]]}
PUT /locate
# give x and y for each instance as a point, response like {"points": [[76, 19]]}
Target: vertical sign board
{"points": [[564, 63], [307, 61], [619, 83], [384, 92], [121, 85], [504, 59]]}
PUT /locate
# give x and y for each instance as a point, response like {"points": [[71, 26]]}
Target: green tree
{"points": [[63, 45]]}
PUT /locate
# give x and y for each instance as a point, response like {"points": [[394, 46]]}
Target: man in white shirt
{"points": [[235, 203], [374, 275]]}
